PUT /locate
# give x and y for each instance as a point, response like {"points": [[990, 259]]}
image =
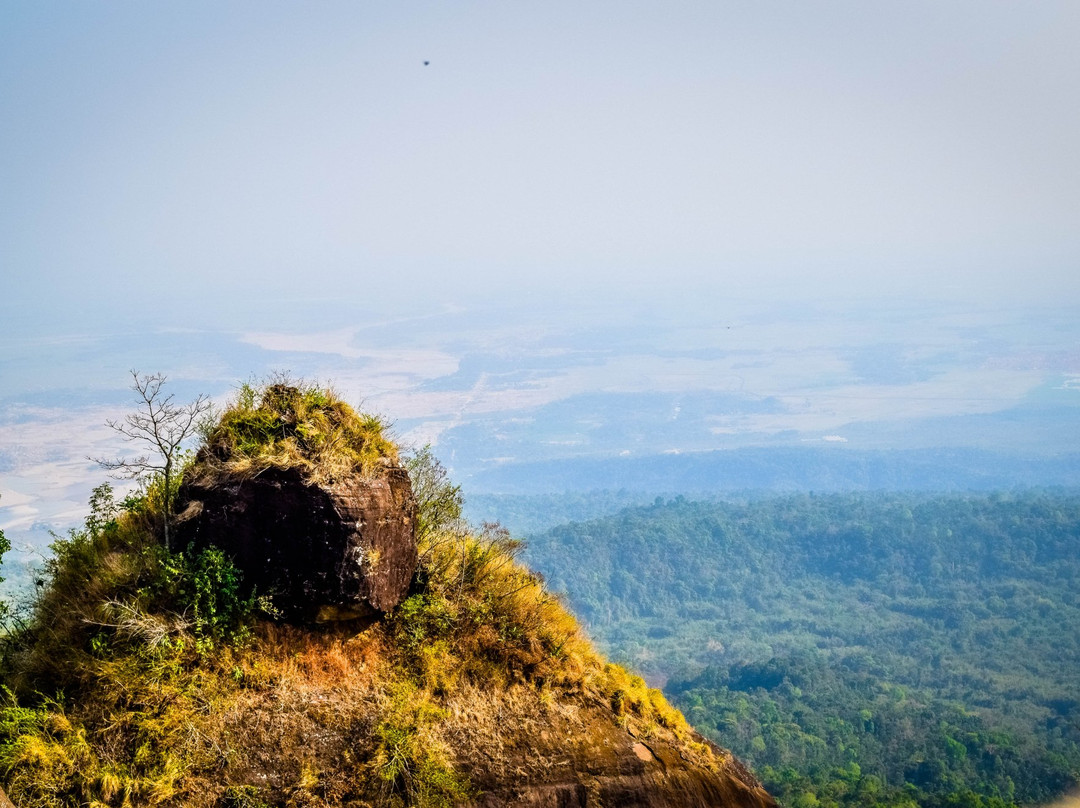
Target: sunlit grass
{"points": [[292, 425], [148, 678]]}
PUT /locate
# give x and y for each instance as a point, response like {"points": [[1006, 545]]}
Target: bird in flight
{"points": [[426, 63]]}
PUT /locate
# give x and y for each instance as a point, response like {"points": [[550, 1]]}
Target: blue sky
{"points": [[172, 162]]}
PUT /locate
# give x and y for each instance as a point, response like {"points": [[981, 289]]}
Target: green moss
{"points": [[293, 425]]}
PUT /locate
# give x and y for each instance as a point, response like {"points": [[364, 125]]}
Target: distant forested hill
{"points": [[857, 649], [781, 469]]}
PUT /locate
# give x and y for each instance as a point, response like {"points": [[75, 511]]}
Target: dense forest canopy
{"points": [[857, 649]]}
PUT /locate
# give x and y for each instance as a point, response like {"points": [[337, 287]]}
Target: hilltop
{"points": [[149, 677]]}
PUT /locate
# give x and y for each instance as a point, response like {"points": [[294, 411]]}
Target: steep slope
{"points": [[150, 678]]}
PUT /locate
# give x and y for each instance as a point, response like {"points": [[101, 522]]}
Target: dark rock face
{"points": [[323, 553]]}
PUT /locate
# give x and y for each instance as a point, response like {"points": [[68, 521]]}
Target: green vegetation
{"points": [[287, 424], [820, 732], [439, 500], [145, 677], [856, 650], [126, 621]]}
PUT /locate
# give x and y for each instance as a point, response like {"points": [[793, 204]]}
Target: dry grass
{"points": [[480, 677], [287, 425], [483, 615]]}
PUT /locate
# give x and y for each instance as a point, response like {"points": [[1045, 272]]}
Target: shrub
{"points": [[438, 501], [211, 589], [410, 759]]}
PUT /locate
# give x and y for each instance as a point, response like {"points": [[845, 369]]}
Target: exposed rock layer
{"points": [[323, 552], [590, 762]]}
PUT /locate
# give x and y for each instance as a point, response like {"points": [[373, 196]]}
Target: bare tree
{"points": [[163, 427]]}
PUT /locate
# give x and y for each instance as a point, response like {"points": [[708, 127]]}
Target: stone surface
{"points": [[323, 553], [591, 763]]}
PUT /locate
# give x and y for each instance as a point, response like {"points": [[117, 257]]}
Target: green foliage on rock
{"points": [[293, 424]]}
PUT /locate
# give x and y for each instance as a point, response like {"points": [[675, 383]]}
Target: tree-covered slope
{"points": [[855, 648]]}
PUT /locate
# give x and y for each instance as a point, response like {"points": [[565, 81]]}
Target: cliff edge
{"points": [[447, 675]]}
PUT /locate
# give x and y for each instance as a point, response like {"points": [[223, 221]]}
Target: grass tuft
{"points": [[292, 425]]}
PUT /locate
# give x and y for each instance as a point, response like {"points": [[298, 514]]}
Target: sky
{"points": [[530, 230], [193, 163]]}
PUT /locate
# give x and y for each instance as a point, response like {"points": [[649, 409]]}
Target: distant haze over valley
{"points": [[558, 242], [825, 395], [684, 295]]}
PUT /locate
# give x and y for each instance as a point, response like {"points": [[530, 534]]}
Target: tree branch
{"points": [[160, 425]]}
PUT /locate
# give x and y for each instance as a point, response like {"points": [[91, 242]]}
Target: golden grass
{"points": [[481, 676], [286, 425]]}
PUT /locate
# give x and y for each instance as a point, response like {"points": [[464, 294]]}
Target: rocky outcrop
{"points": [[588, 761], [323, 552]]}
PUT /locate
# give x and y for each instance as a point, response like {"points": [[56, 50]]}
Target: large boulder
{"points": [[323, 551]]}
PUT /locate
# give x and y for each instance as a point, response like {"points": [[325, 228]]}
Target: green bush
{"points": [[210, 589], [438, 500], [410, 761]]}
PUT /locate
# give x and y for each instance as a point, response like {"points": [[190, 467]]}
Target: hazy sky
{"points": [[858, 213], [258, 151]]}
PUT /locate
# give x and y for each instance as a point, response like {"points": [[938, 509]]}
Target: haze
{"points": [[243, 151], [538, 231]]}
